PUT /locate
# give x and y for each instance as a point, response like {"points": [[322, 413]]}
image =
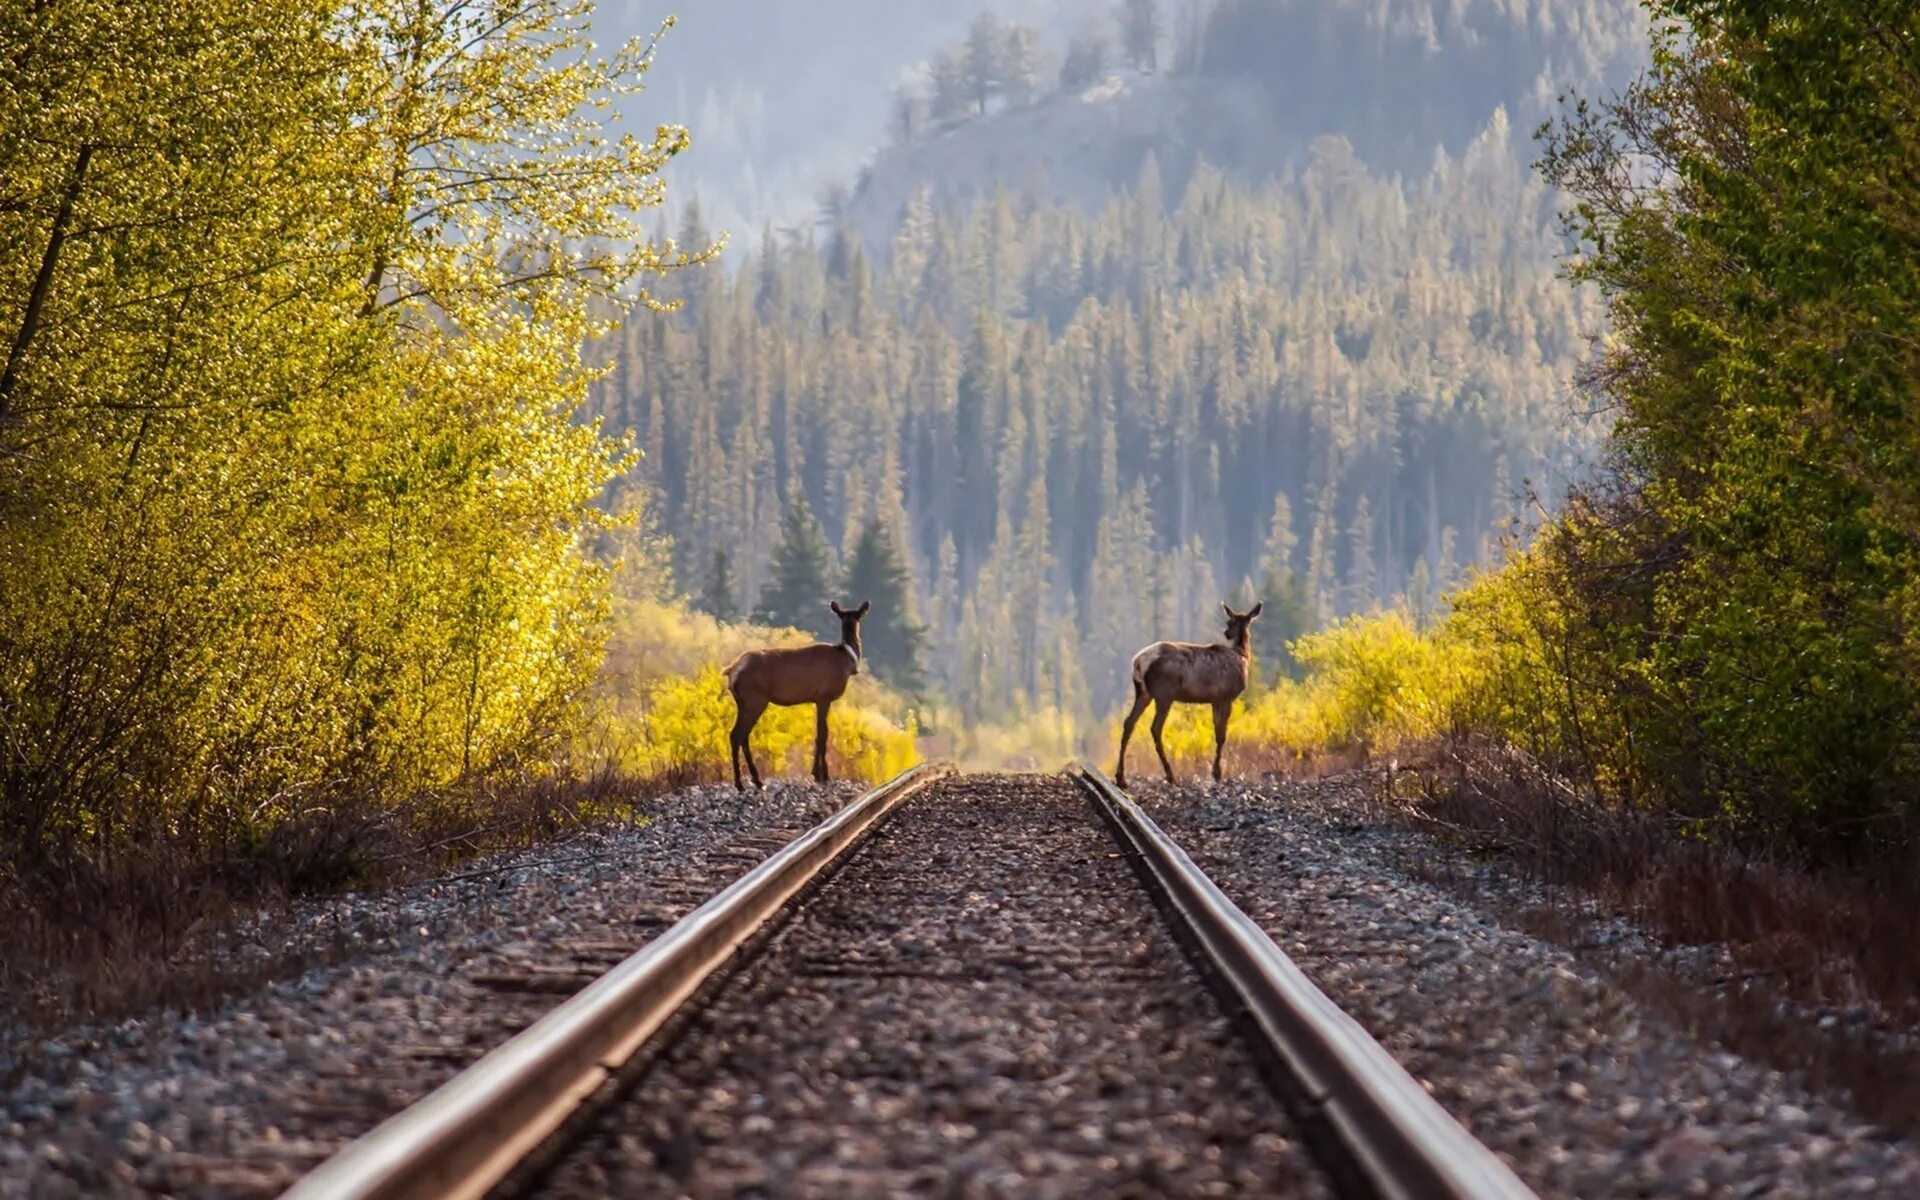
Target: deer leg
{"points": [[733, 742], [1140, 702], [743, 724], [820, 741], [1222, 713], [753, 768], [1160, 710]]}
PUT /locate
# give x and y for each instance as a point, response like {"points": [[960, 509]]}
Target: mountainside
{"points": [[1254, 87], [784, 99], [787, 102], [1078, 148], [1117, 328], [1402, 78], [1087, 431]]}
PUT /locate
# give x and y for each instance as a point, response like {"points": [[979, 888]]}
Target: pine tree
{"points": [[1086, 60], [1360, 573], [984, 52], [892, 633], [1287, 616], [1140, 31], [717, 591], [950, 100], [909, 109], [1019, 64], [801, 582]]}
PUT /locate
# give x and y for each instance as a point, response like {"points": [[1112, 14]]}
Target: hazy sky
{"points": [[785, 97]]}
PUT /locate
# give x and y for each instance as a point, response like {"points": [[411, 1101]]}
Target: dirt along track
{"points": [[983, 1001]]}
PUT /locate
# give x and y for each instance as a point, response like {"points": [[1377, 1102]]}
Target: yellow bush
{"points": [[678, 725], [1372, 683], [1043, 738]]}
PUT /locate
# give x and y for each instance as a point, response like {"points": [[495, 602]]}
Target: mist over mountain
{"points": [[786, 98], [790, 102]]}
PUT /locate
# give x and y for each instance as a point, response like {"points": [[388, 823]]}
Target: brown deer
{"points": [[1167, 673], [815, 675]]}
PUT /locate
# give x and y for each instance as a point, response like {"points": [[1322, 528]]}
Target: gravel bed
{"points": [[1582, 1089], [980, 1003], [240, 1100]]}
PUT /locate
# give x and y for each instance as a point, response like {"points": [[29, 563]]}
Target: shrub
{"points": [[681, 724]]}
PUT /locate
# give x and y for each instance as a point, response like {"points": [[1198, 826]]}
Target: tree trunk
{"points": [[42, 282]]}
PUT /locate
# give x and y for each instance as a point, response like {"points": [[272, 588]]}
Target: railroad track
{"points": [[962, 996]]}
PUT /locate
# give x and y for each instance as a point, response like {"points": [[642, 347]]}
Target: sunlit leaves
{"points": [[293, 504]]}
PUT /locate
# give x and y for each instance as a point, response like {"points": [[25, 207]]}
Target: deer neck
{"points": [[853, 657]]}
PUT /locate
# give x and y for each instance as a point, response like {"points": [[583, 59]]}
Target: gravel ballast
{"points": [[1580, 1088], [240, 1100], [981, 1002]]}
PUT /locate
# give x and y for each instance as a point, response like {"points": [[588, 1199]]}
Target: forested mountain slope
{"points": [[1398, 78], [1245, 86], [787, 100], [785, 97], [1089, 429]]}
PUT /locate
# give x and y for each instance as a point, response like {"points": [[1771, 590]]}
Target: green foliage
{"points": [[800, 586], [683, 723], [717, 591], [1739, 596], [1722, 626], [890, 635], [1287, 617], [293, 504]]}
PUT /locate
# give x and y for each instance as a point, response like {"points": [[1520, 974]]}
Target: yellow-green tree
{"points": [[292, 500]]}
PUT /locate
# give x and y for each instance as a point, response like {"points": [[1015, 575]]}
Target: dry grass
{"points": [[173, 925], [1245, 757], [1805, 939]]}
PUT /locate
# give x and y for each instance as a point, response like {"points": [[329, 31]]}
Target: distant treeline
{"points": [[1395, 79], [1087, 430], [1399, 77]]}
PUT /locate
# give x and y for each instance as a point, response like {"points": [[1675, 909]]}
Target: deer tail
{"points": [[1141, 662]]}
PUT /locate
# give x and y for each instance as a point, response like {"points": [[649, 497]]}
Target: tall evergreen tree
{"points": [[950, 99], [1086, 60], [1288, 616], [717, 590], [984, 51], [801, 581], [1140, 30], [1019, 64], [892, 633]]}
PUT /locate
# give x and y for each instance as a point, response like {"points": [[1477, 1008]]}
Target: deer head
{"points": [[850, 625], [1236, 631]]}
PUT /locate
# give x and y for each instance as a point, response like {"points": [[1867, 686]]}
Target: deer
{"points": [[1169, 673], [815, 675]]}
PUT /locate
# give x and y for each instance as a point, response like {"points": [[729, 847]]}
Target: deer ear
{"points": [[1227, 609], [833, 606], [864, 606], [1255, 610]]}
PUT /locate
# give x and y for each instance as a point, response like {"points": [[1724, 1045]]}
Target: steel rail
{"points": [[463, 1139], [1398, 1143]]}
